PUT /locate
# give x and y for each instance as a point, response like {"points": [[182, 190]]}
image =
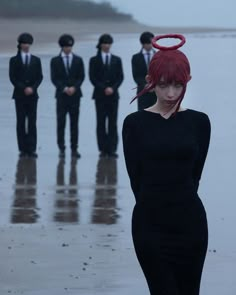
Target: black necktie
{"points": [[67, 64], [107, 61], [148, 58], [26, 60]]}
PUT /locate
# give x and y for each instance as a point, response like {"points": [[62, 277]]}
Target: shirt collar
{"points": [[104, 54], [144, 51], [64, 55], [23, 54]]}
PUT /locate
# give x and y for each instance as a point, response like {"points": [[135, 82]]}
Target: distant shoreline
{"points": [[48, 30]]}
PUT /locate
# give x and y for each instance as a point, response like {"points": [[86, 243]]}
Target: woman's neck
{"points": [[165, 109]]}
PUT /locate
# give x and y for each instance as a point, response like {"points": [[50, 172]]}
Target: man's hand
{"points": [[71, 90], [28, 91], [109, 91]]}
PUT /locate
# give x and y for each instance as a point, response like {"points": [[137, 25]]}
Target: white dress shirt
{"points": [[23, 57], [104, 54], [70, 55], [145, 53]]}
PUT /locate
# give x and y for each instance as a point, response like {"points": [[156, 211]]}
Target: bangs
{"points": [[171, 72], [169, 67]]}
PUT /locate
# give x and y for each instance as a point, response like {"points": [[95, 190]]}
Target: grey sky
{"points": [[201, 13]]}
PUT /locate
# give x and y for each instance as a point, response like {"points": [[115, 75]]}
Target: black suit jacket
{"points": [[22, 76], [139, 70], [101, 78], [61, 79]]}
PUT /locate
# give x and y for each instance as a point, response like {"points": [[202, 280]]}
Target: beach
{"points": [[65, 225]]}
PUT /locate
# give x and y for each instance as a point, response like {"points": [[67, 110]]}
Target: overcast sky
{"points": [[201, 13]]}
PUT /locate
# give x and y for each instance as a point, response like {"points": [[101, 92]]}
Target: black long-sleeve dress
{"points": [[164, 160]]}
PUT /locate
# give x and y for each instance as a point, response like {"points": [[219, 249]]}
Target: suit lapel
{"points": [[72, 64], [99, 59], [20, 61], [143, 61], [62, 65]]}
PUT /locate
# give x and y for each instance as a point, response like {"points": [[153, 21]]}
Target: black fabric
{"points": [[107, 134], [26, 116], [102, 77], [61, 79], [139, 71], [107, 61], [67, 65], [164, 160], [148, 58], [22, 76], [26, 60], [67, 104]]}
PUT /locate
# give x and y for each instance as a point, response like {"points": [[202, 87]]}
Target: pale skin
{"points": [[167, 94], [147, 46], [25, 48], [68, 90], [105, 47]]}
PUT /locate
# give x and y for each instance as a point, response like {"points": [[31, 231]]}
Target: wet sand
{"points": [[65, 225]]}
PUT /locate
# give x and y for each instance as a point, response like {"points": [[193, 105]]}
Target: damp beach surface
{"points": [[65, 225]]}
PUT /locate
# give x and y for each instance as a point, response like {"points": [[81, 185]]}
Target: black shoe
{"points": [[113, 155], [22, 154], [61, 154], [75, 154], [102, 155], [33, 155]]}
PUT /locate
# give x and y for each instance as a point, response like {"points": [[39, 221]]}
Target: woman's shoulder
{"points": [[200, 118], [133, 117], [198, 114], [132, 120]]}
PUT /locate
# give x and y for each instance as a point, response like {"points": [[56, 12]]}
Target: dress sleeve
{"points": [[131, 154], [204, 132]]}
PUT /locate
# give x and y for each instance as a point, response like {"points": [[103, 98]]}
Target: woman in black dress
{"points": [[165, 148]]}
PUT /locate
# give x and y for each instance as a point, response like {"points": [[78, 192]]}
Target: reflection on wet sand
{"points": [[104, 208], [24, 208], [66, 202]]}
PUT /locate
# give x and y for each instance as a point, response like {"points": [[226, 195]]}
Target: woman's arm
{"points": [[204, 133], [131, 153]]}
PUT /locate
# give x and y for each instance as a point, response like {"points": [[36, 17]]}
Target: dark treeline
{"points": [[80, 9]]}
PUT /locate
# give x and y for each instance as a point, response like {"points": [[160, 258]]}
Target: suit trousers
{"points": [[67, 105], [26, 129], [107, 134]]}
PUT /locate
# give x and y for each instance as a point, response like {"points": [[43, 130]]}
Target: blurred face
{"points": [[105, 47], [147, 46], [168, 92], [67, 49], [25, 47]]}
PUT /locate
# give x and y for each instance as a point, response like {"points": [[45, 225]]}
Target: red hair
{"points": [[171, 65]]}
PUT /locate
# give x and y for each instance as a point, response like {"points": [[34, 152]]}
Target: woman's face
{"points": [[168, 92]]}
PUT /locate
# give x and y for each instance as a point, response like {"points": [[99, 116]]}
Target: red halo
{"points": [[174, 36]]}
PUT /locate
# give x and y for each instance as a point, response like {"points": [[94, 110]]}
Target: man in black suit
{"points": [[67, 74], [25, 72], [140, 63], [106, 75]]}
